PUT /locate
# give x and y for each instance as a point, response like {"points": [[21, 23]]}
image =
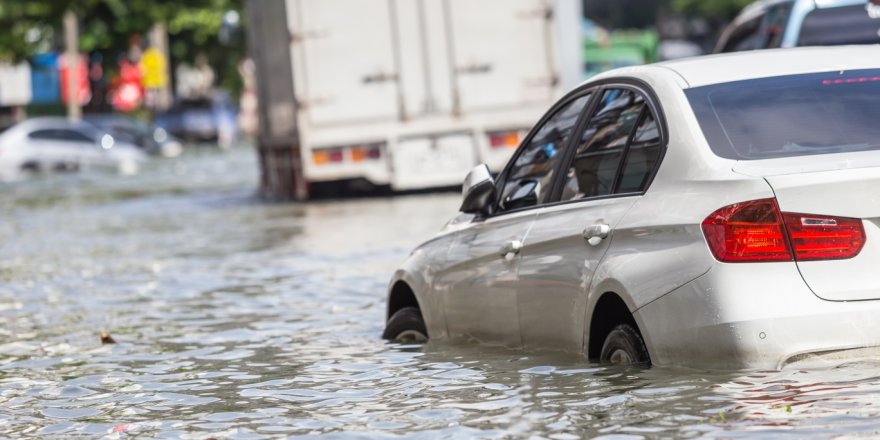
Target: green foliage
{"points": [[714, 9], [107, 26]]}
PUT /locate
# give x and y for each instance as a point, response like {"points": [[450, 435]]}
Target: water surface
{"points": [[240, 319]]}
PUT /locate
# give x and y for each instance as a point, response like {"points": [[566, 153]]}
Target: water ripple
{"points": [[239, 319]]}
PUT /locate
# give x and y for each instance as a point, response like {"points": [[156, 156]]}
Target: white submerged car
{"points": [[709, 212], [58, 144]]}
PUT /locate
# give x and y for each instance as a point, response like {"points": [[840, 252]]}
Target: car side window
{"points": [[58, 134], [744, 36], [43, 135], [73, 136], [773, 28], [642, 155], [529, 179], [594, 166]]}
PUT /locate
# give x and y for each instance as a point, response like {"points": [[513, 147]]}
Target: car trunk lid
{"points": [[845, 185]]}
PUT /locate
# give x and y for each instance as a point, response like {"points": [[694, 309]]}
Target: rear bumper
{"points": [[754, 316]]}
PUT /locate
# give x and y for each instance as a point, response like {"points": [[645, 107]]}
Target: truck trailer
{"points": [[403, 94]]}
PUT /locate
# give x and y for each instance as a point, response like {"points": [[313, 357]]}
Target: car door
{"points": [[479, 286], [50, 149], [77, 148], [616, 156]]}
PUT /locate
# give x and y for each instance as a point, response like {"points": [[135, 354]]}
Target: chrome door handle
{"points": [[511, 249], [596, 233]]}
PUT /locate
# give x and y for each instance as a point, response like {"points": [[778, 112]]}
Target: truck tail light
{"points": [[330, 155], [504, 139], [757, 231], [353, 153], [361, 153]]}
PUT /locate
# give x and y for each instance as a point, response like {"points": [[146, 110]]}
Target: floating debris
{"points": [[107, 339]]}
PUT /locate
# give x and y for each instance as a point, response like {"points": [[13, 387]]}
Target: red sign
{"points": [[127, 93], [83, 92]]}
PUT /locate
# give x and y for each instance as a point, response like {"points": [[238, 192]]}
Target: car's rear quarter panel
{"points": [[659, 246]]}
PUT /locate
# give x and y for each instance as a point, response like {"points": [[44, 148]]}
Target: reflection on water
{"points": [[240, 319]]}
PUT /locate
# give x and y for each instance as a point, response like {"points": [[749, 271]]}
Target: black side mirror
{"points": [[478, 191]]}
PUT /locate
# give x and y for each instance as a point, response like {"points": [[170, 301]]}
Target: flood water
{"points": [[235, 318]]}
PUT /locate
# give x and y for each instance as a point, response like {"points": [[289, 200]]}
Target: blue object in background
{"points": [[45, 79]]}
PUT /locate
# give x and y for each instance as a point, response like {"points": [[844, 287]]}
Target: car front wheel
{"points": [[406, 325], [624, 346]]}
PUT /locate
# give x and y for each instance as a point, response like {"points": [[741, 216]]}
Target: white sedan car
{"points": [[58, 144], [711, 212]]}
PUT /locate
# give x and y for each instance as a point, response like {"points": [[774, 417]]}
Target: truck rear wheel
{"points": [[406, 325], [625, 346]]}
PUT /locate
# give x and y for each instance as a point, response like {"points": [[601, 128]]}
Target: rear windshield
{"points": [[795, 115], [841, 25]]}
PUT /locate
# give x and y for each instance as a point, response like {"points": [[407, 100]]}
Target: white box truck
{"points": [[411, 94]]}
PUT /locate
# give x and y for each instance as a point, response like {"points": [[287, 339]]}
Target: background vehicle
{"points": [[432, 89], [789, 23], [694, 212], [148, 137], [206, 119], [58, 144]]}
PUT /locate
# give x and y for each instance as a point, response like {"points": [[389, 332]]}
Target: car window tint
{"points": [[641, 156], [593, 169], [72, 136], [529, 179], [744, 36], [791, 115], [854, 24], [42, 135], [58, 134], [774, 24]]}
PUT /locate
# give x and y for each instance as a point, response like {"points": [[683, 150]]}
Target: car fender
{"points": [[417, 271]]}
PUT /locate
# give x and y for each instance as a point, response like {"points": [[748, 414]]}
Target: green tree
{"points": [[107, 26]]}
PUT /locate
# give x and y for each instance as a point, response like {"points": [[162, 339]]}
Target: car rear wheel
{"points": [[624, 346], [406, 325]]}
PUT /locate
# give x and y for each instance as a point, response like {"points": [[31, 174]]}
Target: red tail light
{"points": [[748, 231], [816, 237], [756, 231]]}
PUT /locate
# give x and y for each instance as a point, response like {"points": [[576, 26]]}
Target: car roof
{"points": [[738, 66]]}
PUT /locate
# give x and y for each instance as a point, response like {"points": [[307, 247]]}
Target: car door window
{"points": [[642, 156], [745, 36], [58, 134], [529, 179], [73, 136], [43, 135], [594, 166], [773, 28]]}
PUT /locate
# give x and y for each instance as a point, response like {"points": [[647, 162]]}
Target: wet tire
{"points": [[407, 326], [625, 346]]}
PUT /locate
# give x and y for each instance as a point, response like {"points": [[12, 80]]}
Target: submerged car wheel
{"points": [[624, 346], [406, 325]]}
